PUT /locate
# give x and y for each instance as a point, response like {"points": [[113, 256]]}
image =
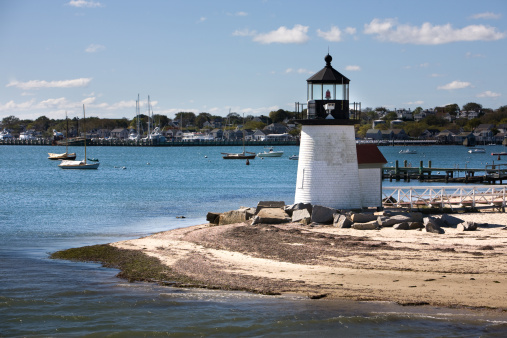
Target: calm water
{"points": [[44, 209]]}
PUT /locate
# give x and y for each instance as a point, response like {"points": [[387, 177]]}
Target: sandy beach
{"points": [[410, 267]]}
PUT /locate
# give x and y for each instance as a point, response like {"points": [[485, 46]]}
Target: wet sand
{"points": [[410, 267]]}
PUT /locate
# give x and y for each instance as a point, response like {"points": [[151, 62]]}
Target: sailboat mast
{"points": [[149, 136], [67, 135], [84, 128]]}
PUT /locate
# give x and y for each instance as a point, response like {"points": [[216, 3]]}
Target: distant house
{"points": [[419, 116], [429, 134], [502, 127], [120, 133], [399, 134], [387, 134], [374, 134], [465, 138], [103, 133], [276, 128], [395, 123], [377, 122], [405, 115], [217, 133], [370, 162], [260, 135]]}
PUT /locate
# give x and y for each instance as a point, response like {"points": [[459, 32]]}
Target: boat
{"points": [[294, 157], [408, 151], [477, 150], [68, 164], [65, 155], [155, 136], [270, 152], [245, 155], [5, 135]]}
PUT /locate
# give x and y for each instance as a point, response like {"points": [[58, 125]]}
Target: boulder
{"points": [[269, 204], [414, 216], [390, 221], [322, 215], [401, 226], [432, 225], [366, 226], [450, 220], [467, 226], [289, 209], [415, 225], [363, 217], [231, 217], [213, 217], [300, 214], [249, 212], [271, 216], [341, 221]]}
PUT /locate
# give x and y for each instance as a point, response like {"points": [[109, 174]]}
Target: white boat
{"points": [[5, 135], [477, 150], [27, 136], [294, 157], [65, 155], [66, 164], [245, 155], [408, 151], [270, 152]]}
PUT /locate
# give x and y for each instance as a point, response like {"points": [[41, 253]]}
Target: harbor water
{"points": [[140, 191]]}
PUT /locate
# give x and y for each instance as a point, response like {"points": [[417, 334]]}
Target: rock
{"points": [[271, 216], [341, 221], [322, 215], [231, 217], [269, 204], [363, 217], [401, 226], [467, 226], [213, 217], [249, 212], [396, 219], [450, 220], [289, 209], [366, 226], [415, 225], [431, 225], [414, 216], [298, 215]]}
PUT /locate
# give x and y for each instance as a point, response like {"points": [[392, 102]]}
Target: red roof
{"points": [[369, 154]]}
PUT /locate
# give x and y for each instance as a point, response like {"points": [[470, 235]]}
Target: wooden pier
{"points": [[441, 197], [490, 174]]}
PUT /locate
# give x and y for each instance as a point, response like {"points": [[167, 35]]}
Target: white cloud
{"points": [[94, 48], [489, 93], [436, 75], [428, 34], [84, 4], [353, 68], [202, 19], [334, 35], [244, 32], [471, 55], [455, 85], [486, 15], [299, 71], [284, 35], [416, 103], [38, 84], [241, 13]]}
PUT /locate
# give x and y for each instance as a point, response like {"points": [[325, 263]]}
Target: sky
{"points": [[249, 57]]}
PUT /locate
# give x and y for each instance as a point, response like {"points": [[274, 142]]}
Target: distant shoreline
{"points": [[456, 269]]}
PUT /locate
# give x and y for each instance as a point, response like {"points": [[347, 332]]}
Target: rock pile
{"points": [[276, 212]]}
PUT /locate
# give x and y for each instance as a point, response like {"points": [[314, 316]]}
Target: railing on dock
{"points": [[441, 197]]}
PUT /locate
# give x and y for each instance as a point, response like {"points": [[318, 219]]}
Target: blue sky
{"points": [[249, 57]]}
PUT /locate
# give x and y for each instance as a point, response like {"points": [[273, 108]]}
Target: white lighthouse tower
{"points": [[328, 173]]}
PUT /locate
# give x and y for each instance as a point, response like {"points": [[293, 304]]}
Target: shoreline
{"points": [[408, 267]]}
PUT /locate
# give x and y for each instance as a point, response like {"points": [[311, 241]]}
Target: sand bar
{"points": [[455, 269]]}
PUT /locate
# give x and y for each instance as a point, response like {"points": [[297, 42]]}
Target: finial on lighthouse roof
{"points": [[328, 60]]}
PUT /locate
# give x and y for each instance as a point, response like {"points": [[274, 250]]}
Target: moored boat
{"points": [[270, 152], [477, 150], [408, 151]]}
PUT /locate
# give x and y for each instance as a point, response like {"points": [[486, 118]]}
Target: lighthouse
{"points": [[328, 172]]}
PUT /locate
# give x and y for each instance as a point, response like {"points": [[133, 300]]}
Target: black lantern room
{"points": [[328, 94]]}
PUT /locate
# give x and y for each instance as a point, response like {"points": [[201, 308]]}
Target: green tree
{"points": [[472, 106], [201, 119], [278, 116], [452, 109], [472, 124], [185, 118], [390, 116], [252, 125], [418, 110]]}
